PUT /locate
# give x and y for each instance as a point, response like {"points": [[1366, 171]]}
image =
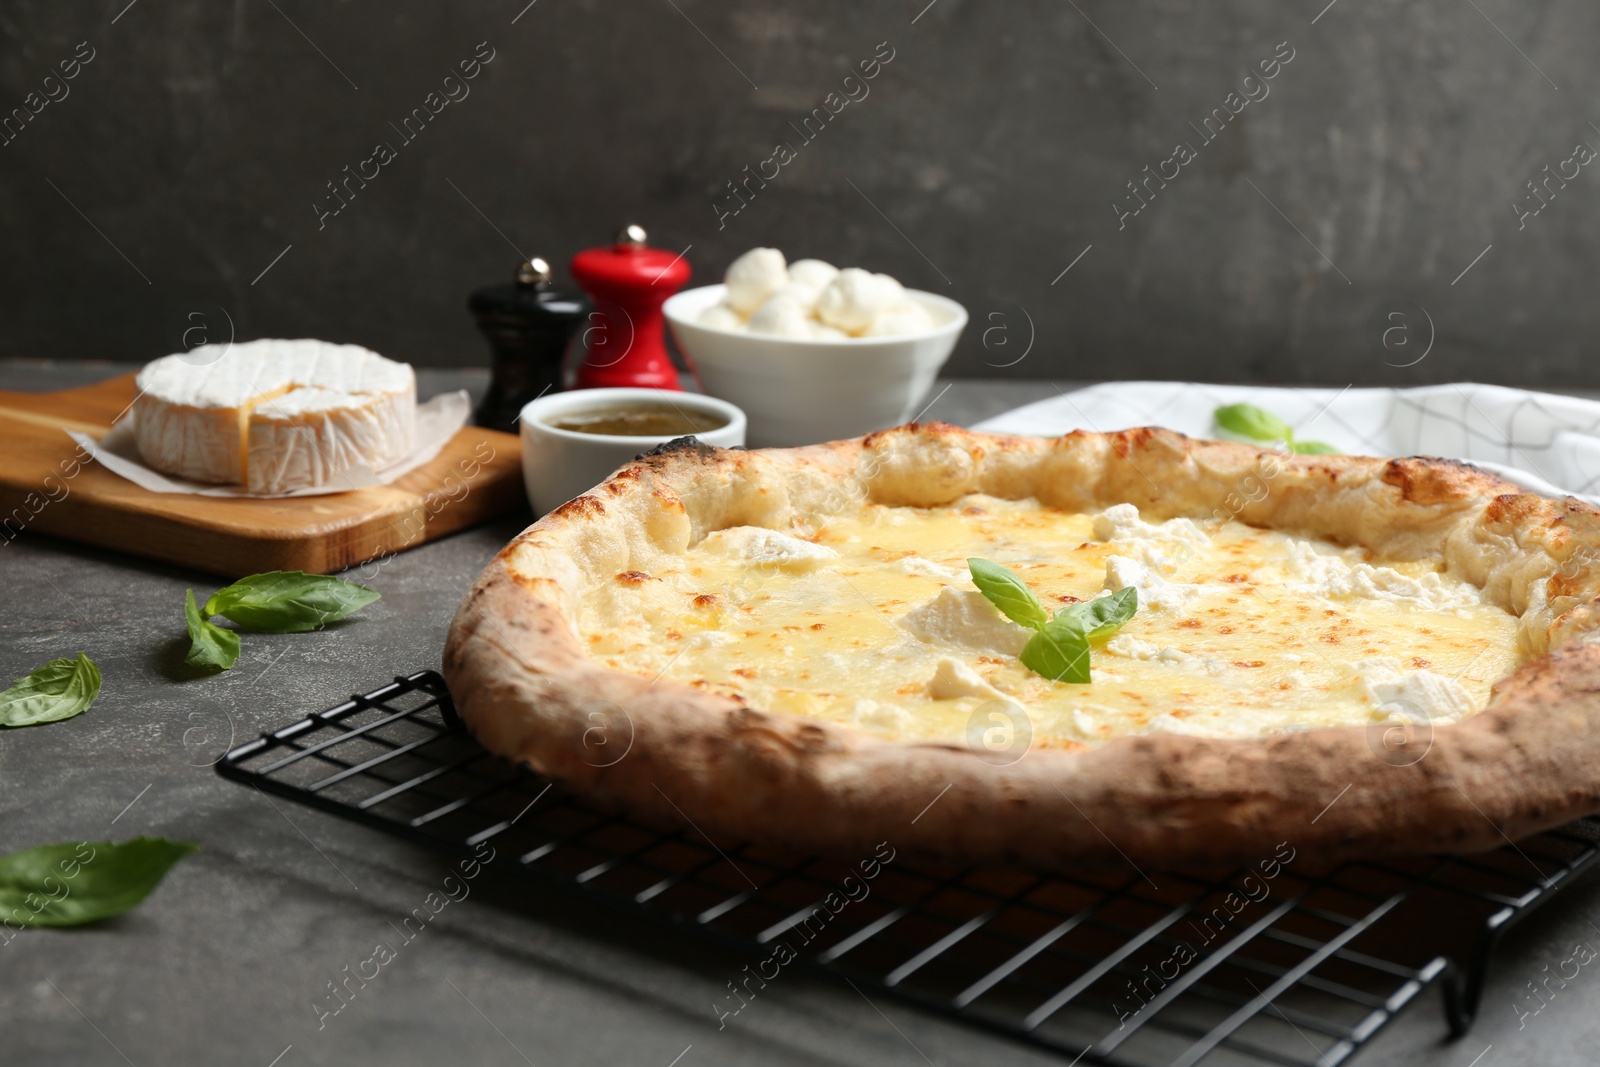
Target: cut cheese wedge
{"points": [[275, 416]]}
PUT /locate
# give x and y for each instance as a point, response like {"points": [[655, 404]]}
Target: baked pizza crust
{"points": [[669, 752]]}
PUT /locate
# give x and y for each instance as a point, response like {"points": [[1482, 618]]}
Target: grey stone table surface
{"points": [[225, 963]]}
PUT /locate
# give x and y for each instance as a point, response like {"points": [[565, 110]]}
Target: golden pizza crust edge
{"points": [[527, 689]]}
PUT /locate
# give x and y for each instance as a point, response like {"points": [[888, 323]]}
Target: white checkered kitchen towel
{"points": [[1543, 442]]}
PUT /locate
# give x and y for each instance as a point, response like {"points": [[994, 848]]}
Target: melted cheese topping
{"points": [[874, 622]]}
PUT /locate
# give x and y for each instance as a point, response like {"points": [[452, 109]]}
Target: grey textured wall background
{"points": [[1320, 238]]}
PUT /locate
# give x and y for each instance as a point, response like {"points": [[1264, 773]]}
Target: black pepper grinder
{"points": [[529, 326]]}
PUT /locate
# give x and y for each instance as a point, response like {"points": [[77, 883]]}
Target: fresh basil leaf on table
{"points": [[1258, 424], [58, 690], [79, 882], [288, 602], [210, 645]]}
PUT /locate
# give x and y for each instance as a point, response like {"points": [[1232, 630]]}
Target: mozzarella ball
{"points": [[782, 316], [721, 317], [805, 295], [821, 331], [813, 272], [900, 319], [754, 277], [893, 287], [856, 297]]}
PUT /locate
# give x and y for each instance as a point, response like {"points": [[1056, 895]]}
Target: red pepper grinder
{"points": [[628, 281]]}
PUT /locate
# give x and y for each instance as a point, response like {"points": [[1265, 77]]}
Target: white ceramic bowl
{"points": [[798, 391], [558, 464]]}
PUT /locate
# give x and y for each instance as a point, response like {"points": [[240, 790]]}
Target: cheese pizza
{"points": [[1361, 655]]}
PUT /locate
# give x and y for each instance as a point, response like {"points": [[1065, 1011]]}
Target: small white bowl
{"points": [[558, 465], [797, 390]]}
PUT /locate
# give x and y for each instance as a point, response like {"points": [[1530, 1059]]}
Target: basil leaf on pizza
{"points": [[1104, 615], [1059, 652], [1010, 594], [1059, 649]]}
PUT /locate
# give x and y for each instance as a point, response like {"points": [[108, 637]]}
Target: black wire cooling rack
{"points": [[1269, 966]]}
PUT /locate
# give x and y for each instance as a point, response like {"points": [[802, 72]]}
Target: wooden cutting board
{"points": [[476, 477]]}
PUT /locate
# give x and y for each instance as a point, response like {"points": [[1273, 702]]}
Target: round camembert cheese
{"points": [[275, 416]]}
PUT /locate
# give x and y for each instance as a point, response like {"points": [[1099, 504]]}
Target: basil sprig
{"points": [[1059, 647], [210, 645], [288, 602], [276, 602], [79, 882], [58, 690], [1257, 424]]}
